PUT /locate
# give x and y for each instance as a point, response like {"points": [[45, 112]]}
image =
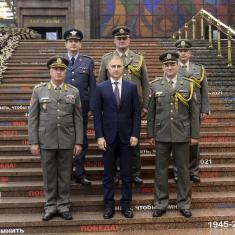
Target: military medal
{"points": [[70, 98]]}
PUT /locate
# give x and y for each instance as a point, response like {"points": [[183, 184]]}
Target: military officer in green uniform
{"points": [[172, 126], [197, 74], [134, 70], [56, 133]]}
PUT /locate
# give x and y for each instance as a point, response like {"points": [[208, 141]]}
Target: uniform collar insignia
{"points": [[49, 86], [65, 87]]}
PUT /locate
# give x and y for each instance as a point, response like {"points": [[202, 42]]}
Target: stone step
{"points": [[15, 128], [21, 161], [31, 188], [215, 118], [95, 173], [20, 96], [21, 111], [217, 146], [223, 103], [143, 220], [6, 138], [140, 202]]}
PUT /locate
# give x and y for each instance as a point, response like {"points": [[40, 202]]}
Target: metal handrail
{"points": [[203, 16]]}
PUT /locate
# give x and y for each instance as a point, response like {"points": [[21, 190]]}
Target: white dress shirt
{"points": [[172, 81], [119, 85], [73, 56], [186, 65], [121, 54], [55, 86]]}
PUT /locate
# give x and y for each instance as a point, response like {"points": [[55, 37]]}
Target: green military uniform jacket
{"points": [[169, 119], [135, 70], [197, 72], [55, 120]]}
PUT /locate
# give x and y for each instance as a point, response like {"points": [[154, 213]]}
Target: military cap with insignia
{"points": [[121, 31], [183, 44], [73, 34], [169, 57], [57, 62]]}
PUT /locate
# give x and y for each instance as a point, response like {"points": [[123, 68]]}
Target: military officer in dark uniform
{"points": [[197, 74], [80, 73], [172, 126], [56, 132], [134, 70]]}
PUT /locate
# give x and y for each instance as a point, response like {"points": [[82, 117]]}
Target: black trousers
{"points": [[125, 153], [79, 160]]}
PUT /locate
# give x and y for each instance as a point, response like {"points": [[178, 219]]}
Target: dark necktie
{"points": [[116, 93], [123, 59], [172, 84], [57, 92], [72, 60]]}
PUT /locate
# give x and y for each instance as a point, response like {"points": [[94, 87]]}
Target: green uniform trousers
{"points": [[181, 154], [56, 167]]}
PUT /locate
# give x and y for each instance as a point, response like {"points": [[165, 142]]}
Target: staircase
{"points": [[21, 202]]}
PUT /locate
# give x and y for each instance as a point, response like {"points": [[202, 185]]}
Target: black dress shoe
{"points": [[108, 213], [127, 212], [83, 181], [158, 213], [48, 216], [137, 180], [195, 178], [66, 215], [186, 213]]}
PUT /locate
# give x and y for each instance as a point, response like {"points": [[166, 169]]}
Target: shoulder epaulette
{"points": [[196, 63], [41, 84], [89, 57], [71, 86], [138, 53], [109, 53], [156, 79]]}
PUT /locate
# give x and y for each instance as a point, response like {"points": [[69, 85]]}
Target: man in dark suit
{"points": [[56, 132], [135, 70], [117, 126], [80, 73]]}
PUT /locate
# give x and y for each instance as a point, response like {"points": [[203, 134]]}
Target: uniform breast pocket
{"points": [[184, 93], [44, 103], [41, 133], [83, 70], [69, 101], [186, 126], [159, 96]]}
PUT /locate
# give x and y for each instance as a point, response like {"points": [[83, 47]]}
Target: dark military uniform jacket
{"points": [[169, 119], [81, 75], [55, 120], [197, 72], [135, 70]]}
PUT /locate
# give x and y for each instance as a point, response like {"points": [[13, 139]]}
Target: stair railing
{"points": [[9, 39], [205, 19]]}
